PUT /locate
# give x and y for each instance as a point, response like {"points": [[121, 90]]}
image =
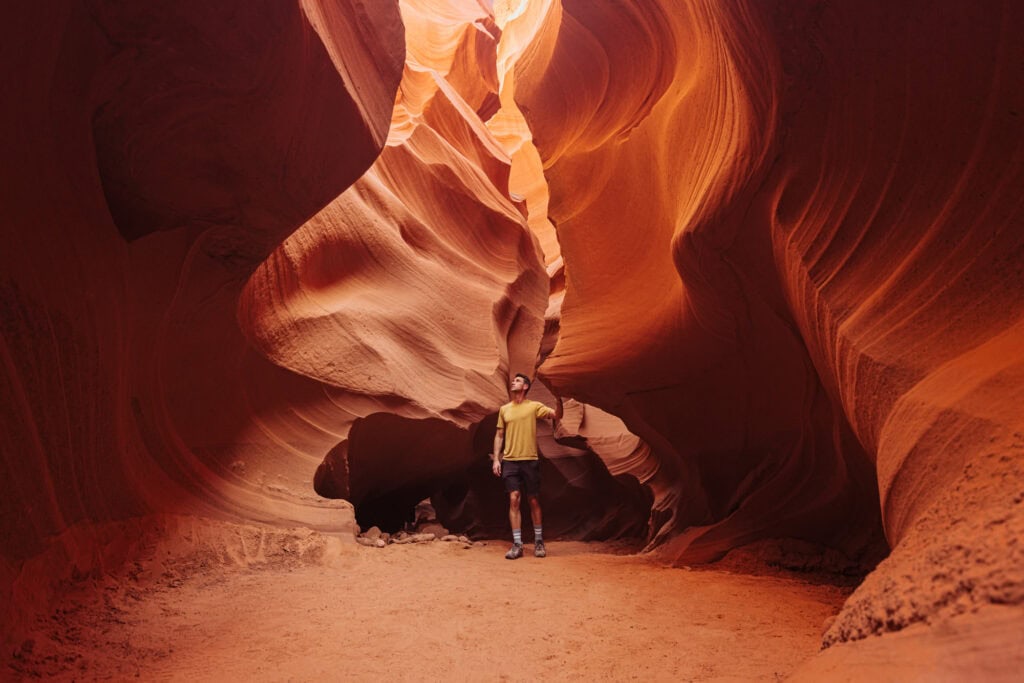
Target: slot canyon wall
{"points": [[201, 323], [259, 262], [419, 290], [819, 207], [155, 155]]}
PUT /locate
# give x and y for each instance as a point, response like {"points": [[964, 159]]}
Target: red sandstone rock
{"points": [[418, 291], [154, 156], [709, 370], [788, 254], [415, 291], [819, 209]]}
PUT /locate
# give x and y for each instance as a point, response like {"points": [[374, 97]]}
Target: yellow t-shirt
{"points": [[520, 424]]}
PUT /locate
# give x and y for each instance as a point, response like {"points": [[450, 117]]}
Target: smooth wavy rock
{"points": [[792, 235], [418, 292], [709, 370], [389, 295], [786, 282], [154, 156]]}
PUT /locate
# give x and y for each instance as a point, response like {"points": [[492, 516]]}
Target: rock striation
{"points": [[262, 259], [819, 207], [154, 156], [416, 293], [710, 370]]}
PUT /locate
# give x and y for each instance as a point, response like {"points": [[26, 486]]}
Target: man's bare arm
{"points": [[499, 438], [557, 415]]}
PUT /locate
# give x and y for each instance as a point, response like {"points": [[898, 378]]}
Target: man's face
{"points": [[518, 384]]}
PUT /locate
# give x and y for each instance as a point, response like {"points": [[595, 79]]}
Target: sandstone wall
{"points": [[155, 154], [674, 318], [818, 206], [417, 293], [257, 261]]}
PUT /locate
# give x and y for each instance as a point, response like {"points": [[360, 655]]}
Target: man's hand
{"points": [[496, 466]]}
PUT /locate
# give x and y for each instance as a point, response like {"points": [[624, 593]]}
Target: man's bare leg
{"points": [[515, 519], [538, 534], [535, 515]]}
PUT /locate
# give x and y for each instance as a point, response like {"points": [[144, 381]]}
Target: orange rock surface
{"points": [[154, 157], [415, 293], [674, 318], [793, 241], [262, 259]]}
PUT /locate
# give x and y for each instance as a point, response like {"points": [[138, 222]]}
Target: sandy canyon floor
{"points": [[431, 611]]}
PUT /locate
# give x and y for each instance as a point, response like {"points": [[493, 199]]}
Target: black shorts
{"points": [[518, 474]]}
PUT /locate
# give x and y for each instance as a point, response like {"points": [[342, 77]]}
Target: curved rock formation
{"points": [[910, 293], [165, 353], [155, 155], [416, 290], [244, 277], [710, 370], [819, 209], [420, 290]]}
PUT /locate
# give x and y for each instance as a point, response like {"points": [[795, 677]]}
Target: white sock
{"points": [[517, 536]]}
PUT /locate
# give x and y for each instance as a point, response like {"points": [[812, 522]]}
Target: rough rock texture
{"points": [[819, 206], [154, 155]]}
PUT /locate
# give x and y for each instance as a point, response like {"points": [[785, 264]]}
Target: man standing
{"points": [[517, 463]]}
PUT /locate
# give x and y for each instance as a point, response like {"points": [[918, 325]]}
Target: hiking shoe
{"points": [[538, 550], [515, 552]]}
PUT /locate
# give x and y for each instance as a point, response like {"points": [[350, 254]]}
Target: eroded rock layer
{"points": [[710, 368], [154, 156], [166, 353], [818, 206], [420, 290], [783, 270]]}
